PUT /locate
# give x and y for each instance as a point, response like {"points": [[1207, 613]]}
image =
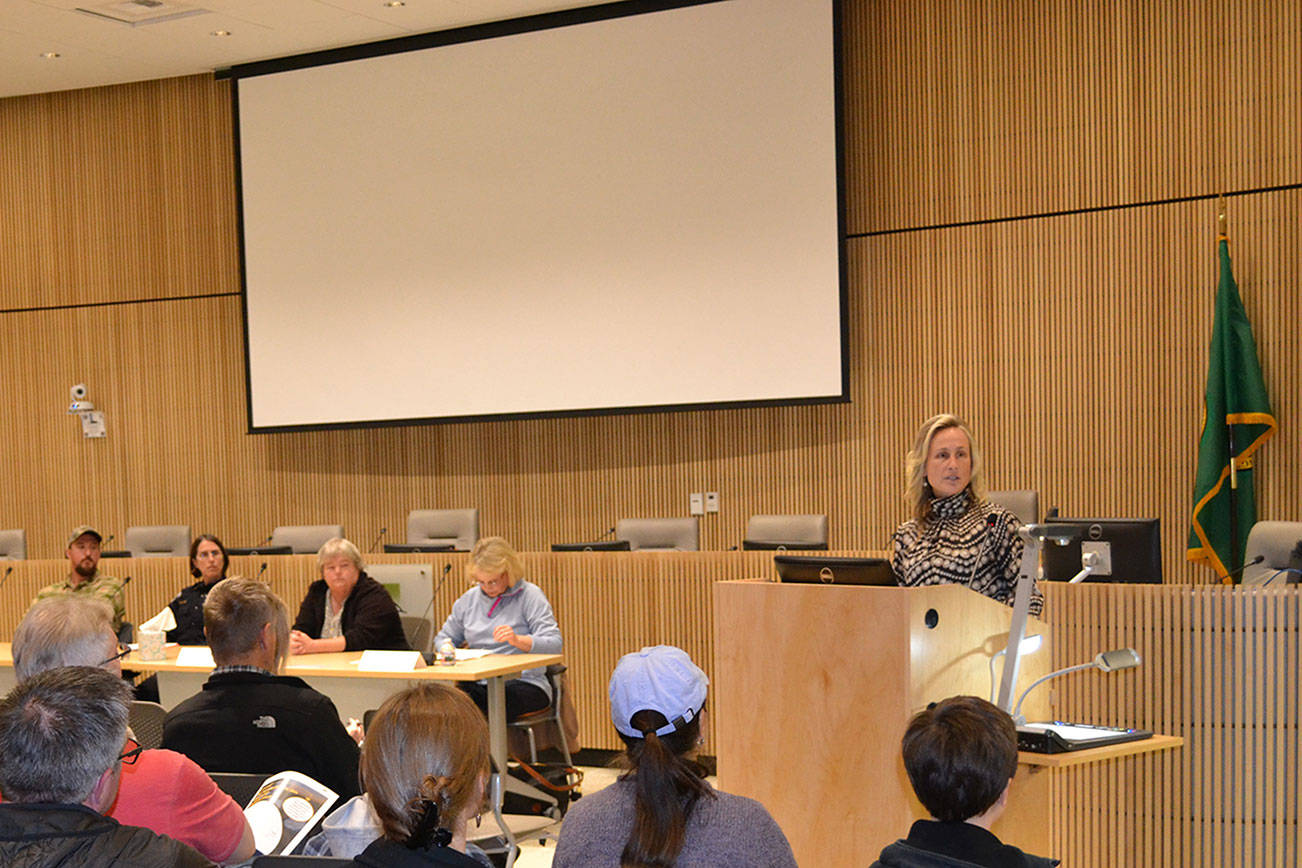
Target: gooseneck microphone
{"points": [[447, 568], [5, 578], [378, 537], [609, 532], [1252, 563], [261, 570]]}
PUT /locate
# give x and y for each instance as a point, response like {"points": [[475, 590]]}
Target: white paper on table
{"points": [[472, 653], [390, 661], [195, 655]]}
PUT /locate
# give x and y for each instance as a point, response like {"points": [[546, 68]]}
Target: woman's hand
{"points": [[300, 642], [504, 633]]}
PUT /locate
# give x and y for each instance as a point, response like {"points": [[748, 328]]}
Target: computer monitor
{"points": [[1129, 550], [816, 570], [773, 545], [418, 548], [605, 545]]}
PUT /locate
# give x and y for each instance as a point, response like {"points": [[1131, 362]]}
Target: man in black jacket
{"points": [[960, 755], [249, 719], [62, 739]]}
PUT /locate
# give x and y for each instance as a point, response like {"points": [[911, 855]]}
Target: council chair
{"points": [[305, 539], [660, 534], [13, 545], [419, 630], [146, 722], [558, 722], [458, 528], [1021, 502], [1274, 541], [159, 541], [786, 532]]}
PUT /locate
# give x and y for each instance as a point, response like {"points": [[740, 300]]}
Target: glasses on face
{"points": [[123, 650], [132, 752]]}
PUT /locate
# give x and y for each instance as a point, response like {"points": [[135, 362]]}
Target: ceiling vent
{"points": [[138, 13]]}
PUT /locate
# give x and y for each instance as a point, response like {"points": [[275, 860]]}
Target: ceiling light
{"points": [[50, 55], [221, 33], [394, 4]]}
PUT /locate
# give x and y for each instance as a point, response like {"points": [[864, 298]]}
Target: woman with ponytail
{"points": [[425, 767], [662, 812]]}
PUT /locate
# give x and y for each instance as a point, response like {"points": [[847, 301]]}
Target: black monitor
{"points": [[770, 545], [605, 545], [815, 570], [1130, 550], [259, 550], [417, 548]]}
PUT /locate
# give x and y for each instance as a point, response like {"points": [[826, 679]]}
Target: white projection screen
{"points": [[614, 214]]}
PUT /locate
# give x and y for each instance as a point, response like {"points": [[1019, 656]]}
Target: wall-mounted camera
{"points": [[78, 392], [92, 421]]}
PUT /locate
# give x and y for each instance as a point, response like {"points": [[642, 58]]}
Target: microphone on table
{"points": [[447, 568], [126, 582], [1252, 563], [606, 534], [261, 570], [378, 537], [5, 578]]}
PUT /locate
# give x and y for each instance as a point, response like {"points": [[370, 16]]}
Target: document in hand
{"points": [[286, 807]]}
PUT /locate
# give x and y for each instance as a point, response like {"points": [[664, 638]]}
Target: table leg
{"points": [[497, 750]]}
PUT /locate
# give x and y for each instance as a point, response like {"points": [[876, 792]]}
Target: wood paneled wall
{"points": [[1073, 342]]}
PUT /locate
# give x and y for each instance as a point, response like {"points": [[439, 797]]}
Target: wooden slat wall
{"points": [[1220, 669], [1075, 344]]}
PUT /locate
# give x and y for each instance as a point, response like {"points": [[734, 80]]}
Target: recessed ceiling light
{"points": [[394, 4], [221, 33], [50, 55]]}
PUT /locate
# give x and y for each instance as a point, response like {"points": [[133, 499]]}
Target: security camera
{"points": [[78, 392]]}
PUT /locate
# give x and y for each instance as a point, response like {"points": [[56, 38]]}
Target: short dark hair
{"points": [[59, 731], [194, 553], [960, 755]]}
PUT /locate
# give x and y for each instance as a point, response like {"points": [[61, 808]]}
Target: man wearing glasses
{"points": [[85, 579], [63, 740], [162, 790]]}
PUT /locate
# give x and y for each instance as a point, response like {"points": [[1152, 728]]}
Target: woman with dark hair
{"points": [[208, 564], [425, 769], [662, 811]]}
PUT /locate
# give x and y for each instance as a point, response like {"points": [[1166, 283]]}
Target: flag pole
{"points": [[1235, 567]]}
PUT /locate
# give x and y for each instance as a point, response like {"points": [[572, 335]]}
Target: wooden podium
{"points": [[814, 685]]}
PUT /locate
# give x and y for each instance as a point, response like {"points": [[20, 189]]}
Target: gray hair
{"points": [[60, 730], [63, 631], [336, 546]]}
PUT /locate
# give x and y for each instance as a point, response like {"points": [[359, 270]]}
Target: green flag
{"points": [[1236, 420]]}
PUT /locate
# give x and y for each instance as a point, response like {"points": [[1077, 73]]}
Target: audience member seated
{"points": [[345, 609], [63, 736], [425, 766], [960, 755], [85, 579], [505, 614], [248, 718], [208, 564], [162, 790], [662, 811]]}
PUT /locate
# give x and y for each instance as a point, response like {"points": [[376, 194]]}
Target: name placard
{"points": [[390, 661], [195, 655]]}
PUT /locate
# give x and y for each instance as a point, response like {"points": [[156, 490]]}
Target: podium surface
{"points": [[814, 685]]}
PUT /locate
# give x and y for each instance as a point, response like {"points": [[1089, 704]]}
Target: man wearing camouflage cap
{"points": [[85, 579]]}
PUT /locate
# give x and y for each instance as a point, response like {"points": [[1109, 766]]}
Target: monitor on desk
{"points": [[771, 545], [817, 570], [417, 548], [606, 545], [1128, 549]]}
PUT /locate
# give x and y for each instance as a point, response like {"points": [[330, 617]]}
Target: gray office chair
{"points": [[458, 528], [305, 539], [1275, 541], [146, 722], [1021, 502], [786, 531], [660, 534], [159, 541], [13, 545], [418, 630]]}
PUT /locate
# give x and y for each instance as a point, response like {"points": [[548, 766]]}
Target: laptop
{"points": [[821, 570]]}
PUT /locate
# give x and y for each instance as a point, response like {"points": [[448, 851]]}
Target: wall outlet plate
{"points": [[696, 503], [711, 501]]}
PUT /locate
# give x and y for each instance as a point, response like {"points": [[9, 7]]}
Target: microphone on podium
{"points": [[5, 578], [261, 570], [378, 537], [1252, 563], [609, 532]]}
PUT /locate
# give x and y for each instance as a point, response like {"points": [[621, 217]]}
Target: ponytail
{"points": [[667, 785]]}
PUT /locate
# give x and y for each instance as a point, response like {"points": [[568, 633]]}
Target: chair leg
{"points": [[533, 745]]}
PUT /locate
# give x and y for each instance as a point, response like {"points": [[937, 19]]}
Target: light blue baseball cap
{"points": [[658, 678]]}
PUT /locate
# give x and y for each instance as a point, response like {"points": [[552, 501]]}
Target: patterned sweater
{"points": [[964, 543]]}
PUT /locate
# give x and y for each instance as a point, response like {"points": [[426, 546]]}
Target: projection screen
{"points": [[617, 213]]}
